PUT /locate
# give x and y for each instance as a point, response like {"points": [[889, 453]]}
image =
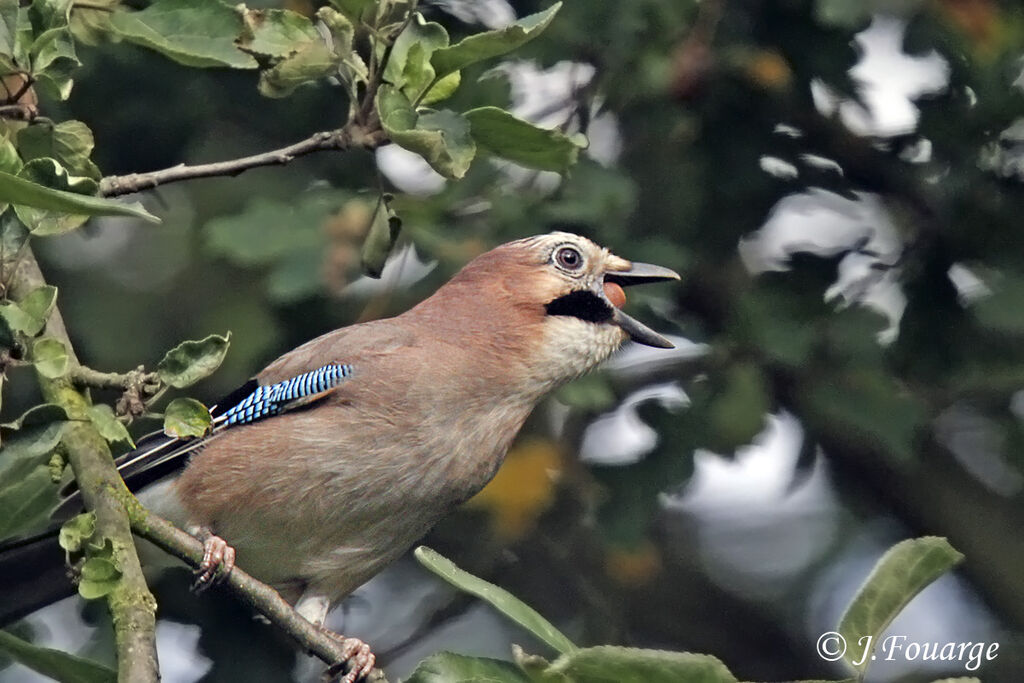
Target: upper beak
{"points": [[637, 274]]}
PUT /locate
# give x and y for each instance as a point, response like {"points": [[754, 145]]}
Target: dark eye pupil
{"points": [[568, 258]]}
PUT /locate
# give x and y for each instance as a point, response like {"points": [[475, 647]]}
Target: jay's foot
{"points": [[356, 657], [218, 561]]}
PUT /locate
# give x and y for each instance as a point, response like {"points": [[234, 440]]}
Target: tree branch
{"points": [[131, 604], [351, 136], [256, 594]]}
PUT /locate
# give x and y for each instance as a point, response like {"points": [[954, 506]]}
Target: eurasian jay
{"points": [[340, 454]]}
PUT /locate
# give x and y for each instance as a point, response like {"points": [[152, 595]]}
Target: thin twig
{"points": [[351, 136], [111, 380], [256, 594]]}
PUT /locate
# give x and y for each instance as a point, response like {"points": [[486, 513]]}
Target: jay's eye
{"points": [[569, 258]]}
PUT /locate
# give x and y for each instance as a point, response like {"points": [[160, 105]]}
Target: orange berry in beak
{"points": [[615, 294]]}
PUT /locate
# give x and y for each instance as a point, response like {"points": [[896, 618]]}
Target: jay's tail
{"points": [[32, 575]]}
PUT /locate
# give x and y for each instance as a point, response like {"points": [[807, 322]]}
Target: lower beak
{"points": [[636, 274]]}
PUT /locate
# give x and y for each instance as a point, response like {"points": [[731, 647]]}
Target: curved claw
{"points": [[356, 657], [218, 561]]}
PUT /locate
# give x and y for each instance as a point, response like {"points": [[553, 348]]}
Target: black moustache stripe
{"points": [[583, 305]]}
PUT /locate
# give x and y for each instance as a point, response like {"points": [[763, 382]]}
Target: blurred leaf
{"points": [[633, 665], [380, 240], [267, 229], [508, 137], [70, 143], [198, 33], [865, 404], [354, 9], [91, 25], [274, 32], [75, 532], [442, 138], [99, 576], [50, 357], [107, 424], [42, 414], [489, 44], [738, 408], [186, 417], [500, 599], [12, 43], [54, 664], [447, 667], [1003, 310], [191, 361], [904, 571], [591, 392]]}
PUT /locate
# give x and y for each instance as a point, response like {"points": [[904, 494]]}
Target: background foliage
{"points": [[856, 282]]}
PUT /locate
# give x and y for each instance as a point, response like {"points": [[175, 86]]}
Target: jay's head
{"points": [[564, 293]]}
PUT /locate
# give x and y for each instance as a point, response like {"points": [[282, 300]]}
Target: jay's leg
{"points": [[356, 655], [218, 559]]}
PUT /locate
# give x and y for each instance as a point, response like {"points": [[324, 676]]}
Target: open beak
{"points": [[638, 274]]}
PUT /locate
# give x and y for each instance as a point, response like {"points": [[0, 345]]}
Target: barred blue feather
{"points": [[271, 399]]}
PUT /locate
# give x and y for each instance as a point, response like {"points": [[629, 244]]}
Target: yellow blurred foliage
{"points": [[768, 69], [633, 566], [523, 488]]}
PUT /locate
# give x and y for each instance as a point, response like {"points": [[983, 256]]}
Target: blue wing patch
{"points": [[271, 399]]}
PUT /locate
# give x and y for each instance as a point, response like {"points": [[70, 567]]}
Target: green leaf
{"points": [[77, 531], [9, 36], [903, 572], [60, 666], [442, 138], [489, 44], [442, 89], [313, 62], [186, 417], [27, 494], [18, 320], [91, 25], [409, 68], [500, 599], [26, 503], [37, 305], [508, 137], [99, 577], [49, 173], [191, 361], [53, 61], [380, 240], [632, 665], [447, 667], [274, 32], [315, 59], [50, 357], [41, 414], [199, 33], [21, 192], [107, 424], [70, 143]]}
